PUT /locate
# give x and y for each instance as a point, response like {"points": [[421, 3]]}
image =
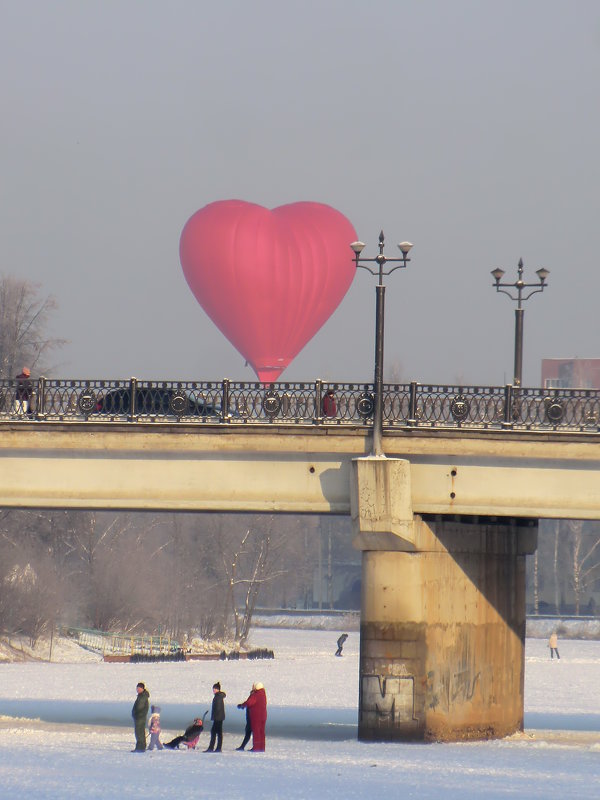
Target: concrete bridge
{"points": [[444, 521]]}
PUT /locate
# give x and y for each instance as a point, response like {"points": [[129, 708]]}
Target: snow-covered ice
{"points": [[66, 732]]}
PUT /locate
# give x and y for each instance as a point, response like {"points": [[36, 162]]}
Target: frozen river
{"points": [[66, 733]]}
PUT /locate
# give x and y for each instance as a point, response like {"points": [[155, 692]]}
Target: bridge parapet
{"points": [[411, 405]]}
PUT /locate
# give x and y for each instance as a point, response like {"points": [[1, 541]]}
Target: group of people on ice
{"points": [[256, 718]]}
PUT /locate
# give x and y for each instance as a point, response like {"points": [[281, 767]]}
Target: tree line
{"points": [[182, 575], [564, 572]]}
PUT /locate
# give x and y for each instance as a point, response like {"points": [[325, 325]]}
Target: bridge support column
{"points": [[443, 615]]}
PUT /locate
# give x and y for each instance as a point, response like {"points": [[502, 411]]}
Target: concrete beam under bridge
{"points": [[303, 469]]}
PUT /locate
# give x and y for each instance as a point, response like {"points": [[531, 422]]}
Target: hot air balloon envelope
{"points": [[268, 279]]}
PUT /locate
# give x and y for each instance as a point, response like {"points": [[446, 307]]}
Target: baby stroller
{"points": [[189, 738]]}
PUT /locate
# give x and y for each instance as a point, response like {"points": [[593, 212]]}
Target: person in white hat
{"points": [[257, 705]]}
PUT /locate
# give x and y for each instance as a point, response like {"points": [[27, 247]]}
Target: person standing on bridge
{"points": [[23, 392], [139, 712], [329, 404], [553, 645]]}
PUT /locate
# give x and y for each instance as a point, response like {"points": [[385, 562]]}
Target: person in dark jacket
{"points": [[192, 732], [257, 705], [248, 731], [217, 715], [23, 392], [139, 712], [340, 644], [329, 404]]}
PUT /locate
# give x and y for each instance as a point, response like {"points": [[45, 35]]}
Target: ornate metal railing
{"points": [[410, 405]]}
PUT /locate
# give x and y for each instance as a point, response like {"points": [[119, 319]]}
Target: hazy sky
{"points": [[470, 128]]}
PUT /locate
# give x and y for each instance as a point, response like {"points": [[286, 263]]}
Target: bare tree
{"points": [[585, 561], [248, 563], [111, 567], [179, 574], [183, 577], [297, 556], [24, 319], [536, 583], [555, 567], [30, 599]]}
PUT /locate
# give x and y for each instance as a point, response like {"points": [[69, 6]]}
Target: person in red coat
{"points": [[257, 706], [329, 404]]}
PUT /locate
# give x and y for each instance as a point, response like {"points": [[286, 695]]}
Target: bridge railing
{"points": [[410, 405]]}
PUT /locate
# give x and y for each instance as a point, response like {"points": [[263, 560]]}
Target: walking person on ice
{"points": [[340, 644]]}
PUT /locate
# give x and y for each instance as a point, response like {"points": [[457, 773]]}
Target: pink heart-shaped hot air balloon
{"points": [[269, 279]]}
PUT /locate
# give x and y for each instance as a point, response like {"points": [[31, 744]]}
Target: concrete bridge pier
{"points": [[443, 614]]}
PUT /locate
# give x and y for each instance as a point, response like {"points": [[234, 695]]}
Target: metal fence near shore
{"points": [[410, 405], [117, 644]]}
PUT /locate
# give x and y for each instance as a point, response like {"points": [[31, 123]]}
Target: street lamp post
{"points": [[381, 260], [519, 285]]}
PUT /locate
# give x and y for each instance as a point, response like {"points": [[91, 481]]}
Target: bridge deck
{"points": [[300, 468]]}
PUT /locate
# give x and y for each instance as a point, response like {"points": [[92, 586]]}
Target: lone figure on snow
{"points": [[340, 644], [553, 645]]}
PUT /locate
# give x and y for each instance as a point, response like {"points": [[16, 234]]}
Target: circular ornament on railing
{"points": [[554, 410], [87, 402], [271, 403], [365, 405], [178, 404], [459, 408]]}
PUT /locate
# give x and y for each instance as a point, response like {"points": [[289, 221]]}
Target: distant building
{"points": [[571, 373]]}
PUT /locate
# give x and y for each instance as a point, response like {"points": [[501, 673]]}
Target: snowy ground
{"points": [[65, 731]]}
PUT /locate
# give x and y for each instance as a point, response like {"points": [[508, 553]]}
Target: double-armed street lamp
{"points": [[380, 271], [519, 285]]}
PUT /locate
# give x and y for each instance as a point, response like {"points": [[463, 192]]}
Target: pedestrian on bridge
{"points": [[23, 392], [553, 645], [329, 404]]}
